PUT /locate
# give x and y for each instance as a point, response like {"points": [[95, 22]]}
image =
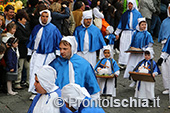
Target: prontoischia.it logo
{"points": [[131, 102]]}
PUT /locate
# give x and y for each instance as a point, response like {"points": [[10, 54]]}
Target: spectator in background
{"points": [[2, 24], [156, 21], [70, 20], [2, 68], [58, 16], [11, 59], [79, 7], [22, 33], [147, 8], [9, 14]]}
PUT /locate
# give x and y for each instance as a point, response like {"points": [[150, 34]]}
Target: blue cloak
{"points": [[50, 39], [164, 31], [63, 109], [141, 39], [125, 19], [84, 73], [166, 47], [155, 67], [115, 66], [96, 40], [93, 109], [111, 38]]}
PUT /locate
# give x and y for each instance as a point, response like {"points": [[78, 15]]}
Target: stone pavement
{"points": [[20, 103]]}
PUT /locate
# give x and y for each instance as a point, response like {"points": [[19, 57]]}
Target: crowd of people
{"points": [[56, 48]]}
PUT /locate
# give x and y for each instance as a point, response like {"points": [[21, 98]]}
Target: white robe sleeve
{"points": [[117, 32]]}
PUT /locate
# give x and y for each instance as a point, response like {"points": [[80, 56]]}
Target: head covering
{"points": [[73, 43], [87, 15], [139, 21], [134, 4], [108, 47], [150, 49], [74, 91], [168, 13], [47, 77], [49, 17], [110, 29]]}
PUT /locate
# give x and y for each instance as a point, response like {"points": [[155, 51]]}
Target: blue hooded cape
{"points": [[111, 38], [96, 40], [141, 39], [166, 47], [155, 67], [125, 19], [93, 109], [84, 73], [115, 66], [164, 31], [50, 39]]}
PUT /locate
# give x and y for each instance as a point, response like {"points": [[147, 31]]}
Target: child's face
{"points": [[106, 53], [147, 57], [107, 32], [13, 30], [15, 44], [142, 26]]}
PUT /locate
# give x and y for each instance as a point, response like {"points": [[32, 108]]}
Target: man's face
{"points": [[130, 6], [38, 86], [44, 17], [87, 22], [10, 14], [65, 51]]}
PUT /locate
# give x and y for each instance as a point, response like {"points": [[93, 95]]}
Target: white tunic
{"points": [[165, 70], [110, 86], [42, 107], [89, 56], [37, 61]]}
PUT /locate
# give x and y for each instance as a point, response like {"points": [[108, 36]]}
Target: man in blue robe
{"points": [[164, 33], [43, 43], [127, 24], [72, 68], [165, 57], [89, 38]]}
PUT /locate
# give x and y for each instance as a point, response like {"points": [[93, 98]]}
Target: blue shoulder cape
{"points": [[50, 39], [63, 109], [155, 67], [125, 19], [115, 66], [91, 108], [166, 47], [164, 31], [96, 40], [141, 39], [111, 38], [84, 73]]}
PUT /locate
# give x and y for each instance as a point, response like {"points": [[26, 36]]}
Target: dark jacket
{"points": [[11, 60], [23, 35], [57, 18]]}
